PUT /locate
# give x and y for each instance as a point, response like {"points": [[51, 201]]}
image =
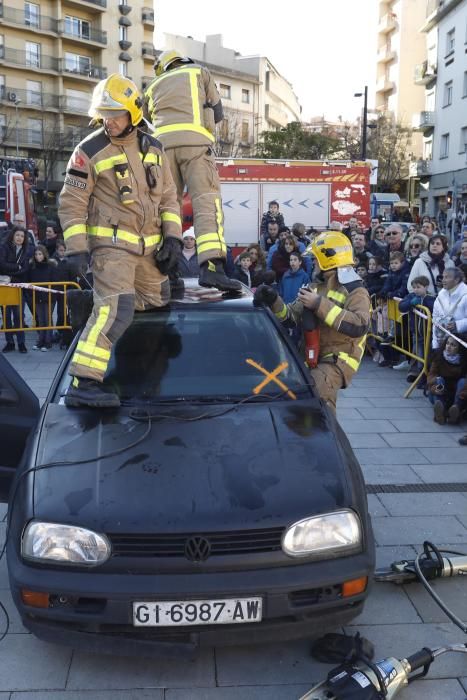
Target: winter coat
{"points": [[422, 267], [188, 267], [408, 303], [450, 304], [102, 174], [15, 263], [280, 262], [451, 374], [241, 275], [378, 249], [395, 284], [291, 283], [374, 281], [184, 105], [301, 249], [38, 273], [268, 218]]}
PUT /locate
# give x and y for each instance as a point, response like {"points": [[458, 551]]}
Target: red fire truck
{"points": [[17, 177], [313, 193]]}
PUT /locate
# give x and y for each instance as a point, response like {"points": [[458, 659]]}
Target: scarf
{"points": [[437, 260], [452, 359]]}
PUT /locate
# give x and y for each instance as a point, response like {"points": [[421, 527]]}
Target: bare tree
{"points": [[232, 140], [389, 143]]}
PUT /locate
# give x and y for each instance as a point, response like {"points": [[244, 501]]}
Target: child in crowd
{"points": [[293, 279], [418, 297], [362, 272], [43, 270], [395, 285], [272, 215], [447, 387], [376, 276], [242, 271]]}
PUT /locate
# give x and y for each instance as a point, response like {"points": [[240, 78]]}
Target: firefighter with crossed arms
{"points": [[339, 305], [184, 105], [119, 204]]}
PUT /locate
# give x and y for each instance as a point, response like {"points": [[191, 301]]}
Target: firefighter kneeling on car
{"points": [[118, 203], [334, 308]]}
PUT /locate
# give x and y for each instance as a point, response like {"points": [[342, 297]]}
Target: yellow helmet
{"points": [[166, 58], [332, 249], [116, 94]]}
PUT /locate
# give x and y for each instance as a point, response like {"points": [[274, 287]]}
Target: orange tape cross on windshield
{"points": [[271, 377]]}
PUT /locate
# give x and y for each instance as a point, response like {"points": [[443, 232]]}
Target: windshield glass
{"points": [[199, 353]]}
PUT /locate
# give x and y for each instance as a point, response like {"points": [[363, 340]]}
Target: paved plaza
{"points": [[396, 442]]}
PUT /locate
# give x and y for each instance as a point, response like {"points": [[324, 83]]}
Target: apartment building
{"points": [[52, 54], [400, 48], [443, 121], [255, 96]]}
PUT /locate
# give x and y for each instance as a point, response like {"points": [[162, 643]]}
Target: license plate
{"points": [[197, 612]]}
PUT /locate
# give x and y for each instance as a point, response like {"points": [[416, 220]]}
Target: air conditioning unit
{"points": [[12, 96]]}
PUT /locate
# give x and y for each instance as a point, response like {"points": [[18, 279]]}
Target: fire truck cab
{"points": [[17, 193]]}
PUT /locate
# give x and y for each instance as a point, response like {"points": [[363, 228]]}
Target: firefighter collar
{"points": [[347, 274]]}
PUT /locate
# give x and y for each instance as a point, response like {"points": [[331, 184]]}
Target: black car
{"points": [[221, 503]]}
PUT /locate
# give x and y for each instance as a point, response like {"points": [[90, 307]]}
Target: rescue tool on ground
{"points": [[184, 105], [118, 203], [340, 304]]}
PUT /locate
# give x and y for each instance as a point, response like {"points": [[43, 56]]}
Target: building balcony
{"points": [[424, 73], [148, 52], [386, 55], [91, 35], [74, 105], [29, 98], [28, 61], [420, 168], [40, 23], [44, 139], [423, 121], [147, 16], [436, 10], [387, 23], [84, 72], [385, 85], [275, 115], [89, 5]]}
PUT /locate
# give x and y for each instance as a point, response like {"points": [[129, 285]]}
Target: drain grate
{"points": [[450, 487]]}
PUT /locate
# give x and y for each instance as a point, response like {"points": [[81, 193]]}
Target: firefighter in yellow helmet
{"points": [[340, 305], [183, 104], [118, 205]]}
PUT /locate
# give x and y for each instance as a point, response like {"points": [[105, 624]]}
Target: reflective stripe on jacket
{"points": [[344, 315], [179, 104], [116, 195]]}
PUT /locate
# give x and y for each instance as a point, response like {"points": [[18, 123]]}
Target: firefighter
{"points": [[183, 104], [118, 203], [341, 306]]}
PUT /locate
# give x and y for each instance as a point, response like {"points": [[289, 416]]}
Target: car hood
{"points": [[258, 465]]}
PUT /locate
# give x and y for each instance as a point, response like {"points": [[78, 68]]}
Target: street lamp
{"points": [[17, 102], [365, 118]]}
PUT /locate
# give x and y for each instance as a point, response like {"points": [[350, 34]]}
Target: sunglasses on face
{"points": [[392, 233], [415, 246]]}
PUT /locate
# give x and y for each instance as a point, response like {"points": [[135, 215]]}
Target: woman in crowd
{"points": [[432, 263], [258, 264], [281, 258], [446, 381], [15, 254], [42, 270], [378, 246], [415, 246]]}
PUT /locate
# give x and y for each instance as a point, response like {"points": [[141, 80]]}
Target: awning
{"points": [[385, 197]]}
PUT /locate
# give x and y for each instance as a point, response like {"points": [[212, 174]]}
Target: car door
{"points": [[19, 411]]}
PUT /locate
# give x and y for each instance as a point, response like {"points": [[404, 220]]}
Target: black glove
{"points": [[78, 263], [265, 295], [167, 257]]}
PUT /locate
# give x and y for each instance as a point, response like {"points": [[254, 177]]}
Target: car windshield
{"points": [[180, 354]]}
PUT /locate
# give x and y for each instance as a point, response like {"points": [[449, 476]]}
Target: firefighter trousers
{"points": [[195, 168], [123, 282], [328, 379]]}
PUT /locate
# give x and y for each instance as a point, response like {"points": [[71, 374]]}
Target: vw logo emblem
{"points": [[197, 549]]}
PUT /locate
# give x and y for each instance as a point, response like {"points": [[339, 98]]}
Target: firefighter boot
{"points": [[88, 392], [80, 306], [211, 274]]}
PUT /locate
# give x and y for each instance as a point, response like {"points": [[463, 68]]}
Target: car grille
{"points": [[221, 543]]}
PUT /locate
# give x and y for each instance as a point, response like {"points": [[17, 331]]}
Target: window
{"points": [[77, 27], [33, 54], [2, 87], [33, 93], [2, 48], [224, 130], [35, 132], [224, 91], [447, 99], [464, 89], [428, 150], [122, 33], [31, 14], [77, 100], [74, 63], [246, 96], [2, 126], [450, 41], [245, 132], [123, 68], [444, 149], [463, 140]]}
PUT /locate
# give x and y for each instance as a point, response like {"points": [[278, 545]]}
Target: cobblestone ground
{"points": [[396, 442]]}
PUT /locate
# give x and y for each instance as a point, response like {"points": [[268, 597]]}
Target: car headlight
{"points": [[66, 544], [326, 535]]}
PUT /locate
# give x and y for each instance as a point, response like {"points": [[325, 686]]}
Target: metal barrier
{"points": [[29, 296], [410, 339]]}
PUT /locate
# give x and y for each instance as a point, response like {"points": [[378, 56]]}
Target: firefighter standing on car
{"points": [[119, 203], [340, 304], [184, 106]]}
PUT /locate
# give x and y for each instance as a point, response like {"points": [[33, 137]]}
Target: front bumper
{"points": [[298, 601]]}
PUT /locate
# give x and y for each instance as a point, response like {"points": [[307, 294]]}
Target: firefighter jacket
{"points": [[118, 193], [344, 318], [184, 105]]}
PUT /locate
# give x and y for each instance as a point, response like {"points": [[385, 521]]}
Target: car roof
{"points": [[194, 295]]}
